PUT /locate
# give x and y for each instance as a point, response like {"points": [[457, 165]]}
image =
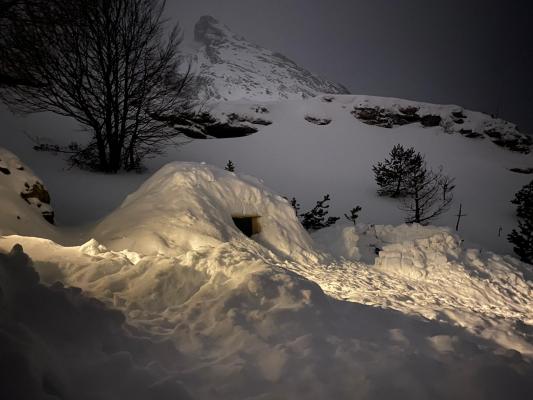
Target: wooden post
{"points": [[459, 215]]}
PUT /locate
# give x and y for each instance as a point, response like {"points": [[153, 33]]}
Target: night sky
{"points": [[475, 53]]}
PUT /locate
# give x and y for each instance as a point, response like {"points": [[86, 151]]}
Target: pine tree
{"points": [[353, 214], [230, 166], [295, 205], [522, 238], [391, 174], [524, 200], [315, 219]]}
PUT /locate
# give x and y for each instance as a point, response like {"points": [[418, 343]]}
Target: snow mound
{"points": [[231, 68], [416, 256], [426, 271], [24, 201], [188, 206]]}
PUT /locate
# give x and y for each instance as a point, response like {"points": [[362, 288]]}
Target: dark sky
{"points": [[476, 53]]}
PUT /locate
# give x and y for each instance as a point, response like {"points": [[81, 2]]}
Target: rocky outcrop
{"points": [[207, 126], [451, 119], [317, 120], [37, 195], [19, 181]]}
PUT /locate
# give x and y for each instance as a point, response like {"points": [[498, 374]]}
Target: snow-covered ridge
{"points": [[392, 112], [231, 68]]}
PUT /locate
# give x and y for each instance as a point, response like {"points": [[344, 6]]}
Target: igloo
{"points": [[189, 206]]}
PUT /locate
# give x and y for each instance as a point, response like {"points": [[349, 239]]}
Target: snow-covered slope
{"points": [[300, 158], [231, 68], [275, 315], [258, 318]]}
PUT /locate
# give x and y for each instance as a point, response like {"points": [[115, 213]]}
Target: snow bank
{"points": [[57, 343], [246, 327], [425, 270], [24, 201], [188, 206]]}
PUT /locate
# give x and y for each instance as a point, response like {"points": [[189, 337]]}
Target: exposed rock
{"points": [[388, 114], [522, 170], [317, 121], [36, 191], [260, 110], [373, 116], [206, 126], [493, 133], [37, 195], [388, 118], [233, 117], [469, 133], [430, 120], [19, 186], [225, 131], [411, 110]]}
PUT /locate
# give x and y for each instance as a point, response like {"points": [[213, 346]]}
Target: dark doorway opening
{"points": [[249, 225]]}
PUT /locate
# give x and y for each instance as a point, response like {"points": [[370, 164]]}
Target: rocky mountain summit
{"points": [[231, 68]]}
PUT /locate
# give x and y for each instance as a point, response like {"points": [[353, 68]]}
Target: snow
{"points": [[186, 206], [427, 271], [282, 314], [176, 302], [304, 160], [58, 343]]}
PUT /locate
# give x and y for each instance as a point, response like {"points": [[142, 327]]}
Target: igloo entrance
{"points": [[248, 224]]}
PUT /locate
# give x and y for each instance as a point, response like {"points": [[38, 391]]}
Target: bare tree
{"points": [[10, 13], [428, 195], [108, 64]]}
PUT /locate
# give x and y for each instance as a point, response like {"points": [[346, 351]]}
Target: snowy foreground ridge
{"points": [[210, 313]]}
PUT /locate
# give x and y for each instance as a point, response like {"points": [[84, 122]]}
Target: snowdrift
{"points": [[427, 271], [188, 206], [248, 326], [57, 343]]}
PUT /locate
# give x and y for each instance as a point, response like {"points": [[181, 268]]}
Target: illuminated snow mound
{"points": [[189, 206]]}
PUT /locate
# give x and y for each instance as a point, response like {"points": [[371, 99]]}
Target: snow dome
{"points": [[187, 206]]}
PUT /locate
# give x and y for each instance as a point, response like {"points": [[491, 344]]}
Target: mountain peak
{"points": [[232, 68], [208, 30]]}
